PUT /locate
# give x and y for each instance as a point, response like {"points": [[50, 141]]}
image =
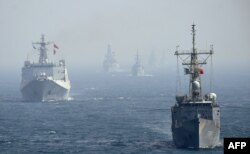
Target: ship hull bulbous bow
{"points": [[44, 90]]}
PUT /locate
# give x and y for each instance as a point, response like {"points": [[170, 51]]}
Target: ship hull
{"points": [[44, 90], [198, 130], [137, 71], [111, 67]]}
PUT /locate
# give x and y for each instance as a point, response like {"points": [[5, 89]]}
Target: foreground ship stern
{"points": [[196, 125], [195, 118]]}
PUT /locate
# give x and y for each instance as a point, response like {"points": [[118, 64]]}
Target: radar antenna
{"points": [[194, 63], [43, 56]]}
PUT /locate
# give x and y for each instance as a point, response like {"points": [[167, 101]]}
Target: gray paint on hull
{"points": [[196, 126], [44, 90]]}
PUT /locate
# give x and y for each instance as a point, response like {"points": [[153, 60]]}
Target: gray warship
{"points": [[137, 69], [195, 118], [110, 65], [44, 80]]}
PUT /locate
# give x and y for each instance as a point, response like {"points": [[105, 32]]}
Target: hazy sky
{"points": [[83, 28]]}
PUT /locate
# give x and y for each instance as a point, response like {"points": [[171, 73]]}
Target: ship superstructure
{"points": [[195, 118], [110, 64], [152, 63], [137, 68], [44, 80]]}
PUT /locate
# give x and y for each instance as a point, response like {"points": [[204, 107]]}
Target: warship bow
{"points": [[44, 80]]}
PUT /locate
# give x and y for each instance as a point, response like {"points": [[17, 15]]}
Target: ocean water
{"points": [[111, 115]]}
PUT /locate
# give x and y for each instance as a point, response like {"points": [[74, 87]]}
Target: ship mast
{"points": [[193, 69], [43, 56], [109, 53], [110, 56], [137, 59], [195, 81]]}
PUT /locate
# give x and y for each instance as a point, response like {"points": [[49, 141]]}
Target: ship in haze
{"points": [[152, 62], [195, 118], [110, 65], [137, 68], [44, 80]]}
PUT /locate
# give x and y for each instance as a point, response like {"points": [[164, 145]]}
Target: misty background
{"points": [[111, 113], [83, 28]]}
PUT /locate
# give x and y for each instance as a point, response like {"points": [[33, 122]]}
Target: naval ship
{"points": [[44, 80], [110, 64], [195, 118], [137, 69]]}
